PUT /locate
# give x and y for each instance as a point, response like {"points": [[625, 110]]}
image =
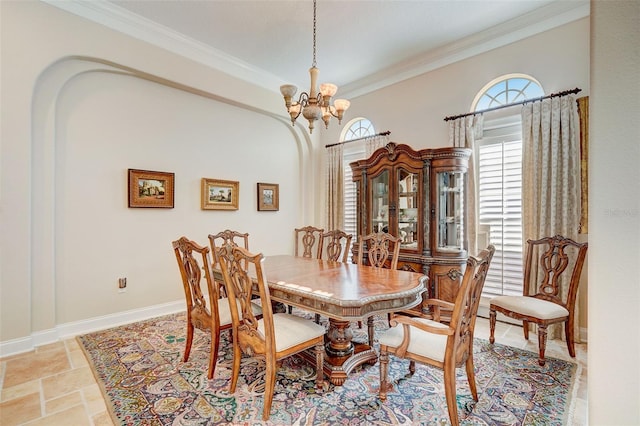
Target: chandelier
{"points": [[314, 105]]}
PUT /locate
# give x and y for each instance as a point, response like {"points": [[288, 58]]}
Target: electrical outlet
{"points": [[122, 284]]}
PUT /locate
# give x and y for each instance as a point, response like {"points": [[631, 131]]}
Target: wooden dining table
{"points": [[343, 292]]}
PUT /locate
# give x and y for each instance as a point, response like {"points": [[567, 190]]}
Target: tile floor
{"points": [[53, 385]]}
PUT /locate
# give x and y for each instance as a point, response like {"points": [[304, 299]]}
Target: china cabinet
{"points": [[418, 196]]}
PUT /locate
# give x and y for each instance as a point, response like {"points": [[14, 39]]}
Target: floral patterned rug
{"points": [[145, 382]]}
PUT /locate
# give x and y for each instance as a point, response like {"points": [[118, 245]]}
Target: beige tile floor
{"points": [[53, 385]]}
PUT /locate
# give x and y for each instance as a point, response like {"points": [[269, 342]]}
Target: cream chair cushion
{"points": [[224, 310], [291, 330], [422, 342], [530, 306]]}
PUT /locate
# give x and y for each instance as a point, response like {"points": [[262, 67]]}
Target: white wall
{"points": [[614, 221]]}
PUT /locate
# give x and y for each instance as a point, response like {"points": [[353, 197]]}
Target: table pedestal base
{"points": [[337, 368], [342, 354]]}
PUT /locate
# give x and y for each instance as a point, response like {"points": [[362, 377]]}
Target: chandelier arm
{"points": [[304, 99]]}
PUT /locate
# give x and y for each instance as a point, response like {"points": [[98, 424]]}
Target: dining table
{"points": [[344, 293]]}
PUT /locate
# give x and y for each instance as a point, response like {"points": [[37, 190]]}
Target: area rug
{"points": [[145, 382]]}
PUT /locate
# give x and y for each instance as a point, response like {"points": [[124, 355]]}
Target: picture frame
{"points": [[268, 197], [218, 194], [151, 189]]}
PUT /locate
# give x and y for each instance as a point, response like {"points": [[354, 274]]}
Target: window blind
{"points": [[350, 196], [500, 207]]}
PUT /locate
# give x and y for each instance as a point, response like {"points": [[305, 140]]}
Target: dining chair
{"points": [[335, 245], [553, 266], [275, 336], [431, 342], [308, 241], [383, 251], [227, 236], [211, 313]]}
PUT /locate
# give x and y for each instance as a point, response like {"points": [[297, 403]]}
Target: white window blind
{"points": [[350, 208], [500, 206]]}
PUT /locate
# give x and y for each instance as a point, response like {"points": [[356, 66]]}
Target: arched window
{"points": [[507, 90], [357, 128], [499, 177]]}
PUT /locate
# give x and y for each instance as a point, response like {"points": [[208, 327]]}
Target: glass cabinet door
{"points": [[407, 208], [450, 211], [379, 220]]}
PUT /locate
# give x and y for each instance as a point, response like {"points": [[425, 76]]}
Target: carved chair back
{"points": [[335, 245], [383, 250], [308, 241], [554, 262]]}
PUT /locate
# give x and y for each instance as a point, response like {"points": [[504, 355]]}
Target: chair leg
{"points": [[319, 366], [471, 376], [542, 343], [187, 346], [270, 384], [492, 325], [384, 370], [450, 392], [370, 330], [237, 357], [317, 319], [412, 367], [213, 351], [568, 334], [525, 329]]}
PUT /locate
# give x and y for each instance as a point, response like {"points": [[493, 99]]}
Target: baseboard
{"points": [[71, 329]]}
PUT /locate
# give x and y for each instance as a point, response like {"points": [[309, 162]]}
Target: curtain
{"points": [[374, 142], [551, 176], [463, 133], [335, 178], [583, 113], [335, 187]]}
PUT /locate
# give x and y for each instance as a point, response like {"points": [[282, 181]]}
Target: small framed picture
{"points": [[151, 189], [220, 194], [268, 197]]}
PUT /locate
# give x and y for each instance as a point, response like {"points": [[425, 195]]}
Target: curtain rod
{"points": [[358, 139], [553, 95]]}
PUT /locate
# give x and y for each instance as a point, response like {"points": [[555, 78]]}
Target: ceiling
{"points": [[361, 44]]}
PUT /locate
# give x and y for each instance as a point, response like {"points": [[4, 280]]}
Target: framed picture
{"points": [[220, 194], [151, 189], [268, 196]]}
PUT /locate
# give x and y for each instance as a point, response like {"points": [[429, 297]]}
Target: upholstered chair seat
{"points": [[530, 306], [292, 330], [224, 310], [422, 343]]}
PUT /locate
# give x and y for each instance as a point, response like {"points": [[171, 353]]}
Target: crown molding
{"points": [[117, 18]]}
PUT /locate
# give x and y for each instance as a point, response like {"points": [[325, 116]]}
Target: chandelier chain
{"points": [[314, 33]]}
